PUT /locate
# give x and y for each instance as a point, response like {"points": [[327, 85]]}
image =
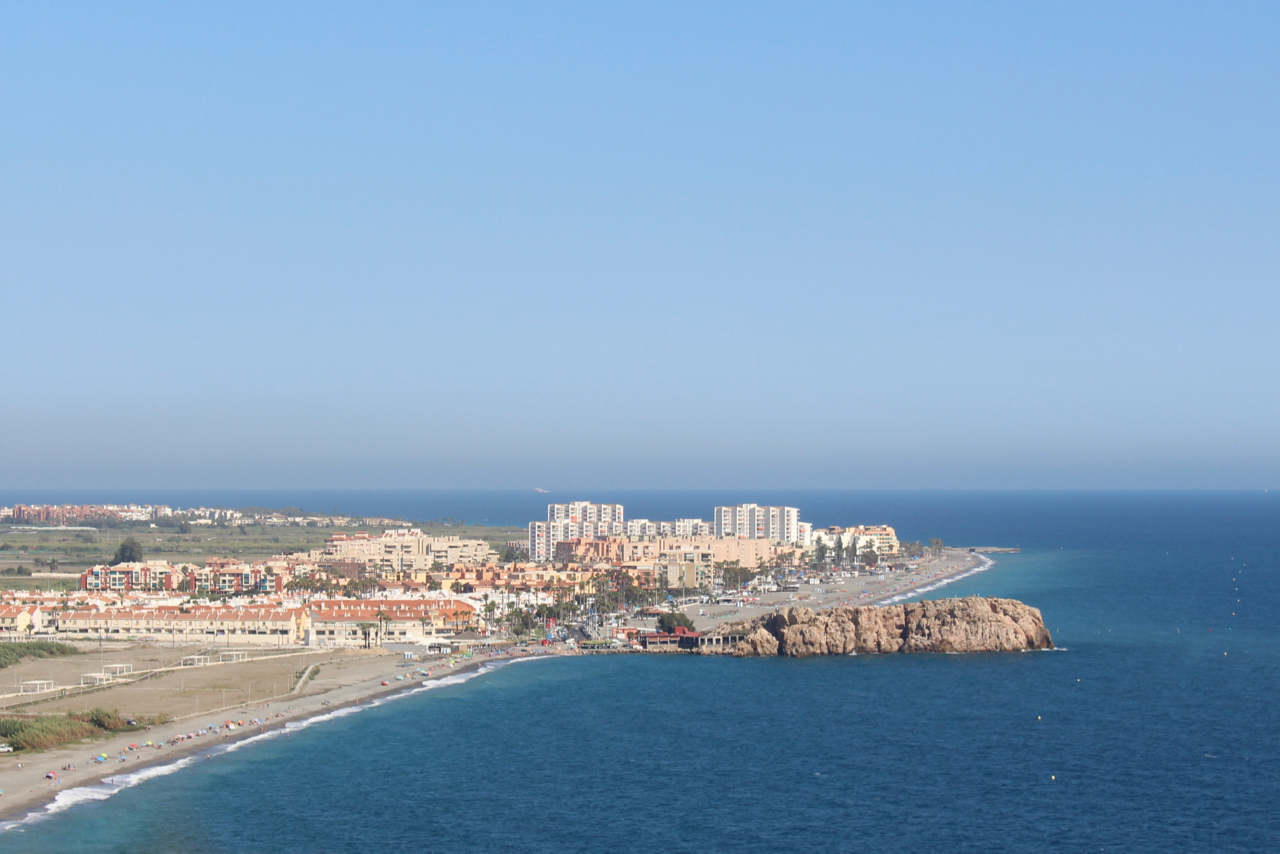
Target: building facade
{"points": [[580, 520], [405, 550], [756, 522], [644, 529]]}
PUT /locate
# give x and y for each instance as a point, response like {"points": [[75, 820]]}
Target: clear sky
{"points": [[640, 245]]}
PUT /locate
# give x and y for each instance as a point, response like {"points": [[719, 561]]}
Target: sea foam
{"points": [[986, 564]]}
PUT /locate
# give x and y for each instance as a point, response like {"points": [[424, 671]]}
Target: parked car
{"points": [[6, 748]]}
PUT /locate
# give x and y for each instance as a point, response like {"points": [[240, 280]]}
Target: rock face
{"points": [[974, 624]]}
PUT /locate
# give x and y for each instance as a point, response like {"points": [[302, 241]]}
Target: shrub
{"points": [[12, 653], [668, 622], [108, 719], [43, 732]]}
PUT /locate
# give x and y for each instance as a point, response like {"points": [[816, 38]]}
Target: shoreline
{"points": [[25, 803], [984, 563], [974, 563]]}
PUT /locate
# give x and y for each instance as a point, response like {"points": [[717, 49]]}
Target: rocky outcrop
{"points": [[974, 624]]}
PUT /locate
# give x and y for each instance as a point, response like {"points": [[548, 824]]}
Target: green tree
{"points": [[130, 551], [362, 586], [820, 553], [869, 557], [837, 551], [734, 574], [668, 622]]}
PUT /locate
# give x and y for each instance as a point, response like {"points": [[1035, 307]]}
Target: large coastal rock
{"points": [[974, 624]]}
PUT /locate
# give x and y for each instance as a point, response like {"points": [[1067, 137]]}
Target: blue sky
{"points": [[642, 245]]}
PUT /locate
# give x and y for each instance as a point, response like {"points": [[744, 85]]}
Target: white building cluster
{"points": [[576, 520], [583, 520], [753, 522], [643, 529]]}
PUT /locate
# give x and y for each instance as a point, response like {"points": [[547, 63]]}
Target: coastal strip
{"points": [[26, 796]]}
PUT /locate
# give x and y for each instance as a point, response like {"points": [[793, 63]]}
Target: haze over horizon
{"points": [[678, 246]]}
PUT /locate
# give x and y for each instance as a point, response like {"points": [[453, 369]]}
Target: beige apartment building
{"points": [[882, 538], [20, 619], [406, 550], [344, 623], [749, 553], [710, 550], [251, 624]]}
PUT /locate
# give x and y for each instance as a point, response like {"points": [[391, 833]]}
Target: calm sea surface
{"points": [[1156, 727]]}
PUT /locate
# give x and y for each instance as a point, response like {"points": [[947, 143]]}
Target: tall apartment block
{"points": [[578, 519], [753, 522], [642, 529]]}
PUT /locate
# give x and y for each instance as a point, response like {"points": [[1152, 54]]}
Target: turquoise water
{"points": [[1154, 728]]}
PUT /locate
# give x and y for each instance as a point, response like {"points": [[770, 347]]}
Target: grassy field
{"points": [[75, 550], [71, 582]]}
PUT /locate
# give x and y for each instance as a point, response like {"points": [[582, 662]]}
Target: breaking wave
{"points": [[109, 786], [986, 564]]}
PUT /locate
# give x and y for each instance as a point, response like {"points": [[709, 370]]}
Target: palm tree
{"points": [[366, 629], [458, 617]]}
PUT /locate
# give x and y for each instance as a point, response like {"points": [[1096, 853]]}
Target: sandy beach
{"points": [[347, 678]]}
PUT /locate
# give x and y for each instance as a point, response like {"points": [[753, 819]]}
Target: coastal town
{"points": [[585, 567]]}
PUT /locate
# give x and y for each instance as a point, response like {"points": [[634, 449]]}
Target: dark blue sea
{"points": [[1155, 727]]}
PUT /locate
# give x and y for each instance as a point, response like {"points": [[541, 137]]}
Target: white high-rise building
{"points": [[754, 522], [685, 528], [576, 520], [641, 529]]}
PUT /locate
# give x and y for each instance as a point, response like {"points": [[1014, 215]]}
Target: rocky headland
{"points": [[974, 624]]}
